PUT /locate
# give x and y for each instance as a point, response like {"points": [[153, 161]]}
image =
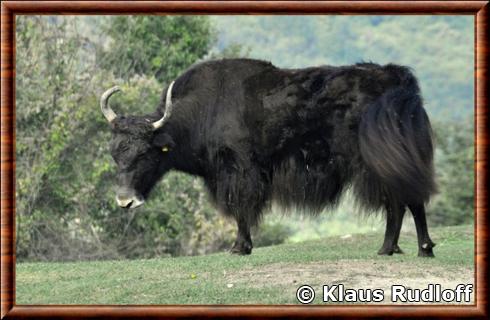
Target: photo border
{"points": [[9, 9]]}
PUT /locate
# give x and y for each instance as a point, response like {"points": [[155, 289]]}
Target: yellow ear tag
{"points": [[165, 149]]}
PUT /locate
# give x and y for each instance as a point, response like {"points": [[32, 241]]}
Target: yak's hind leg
{"points": [[424, 241], [394, 220]]}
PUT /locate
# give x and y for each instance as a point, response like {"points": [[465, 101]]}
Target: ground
{"points": [[271, 275]]}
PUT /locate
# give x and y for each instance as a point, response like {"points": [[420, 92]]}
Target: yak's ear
{"points": [[163, 140]]}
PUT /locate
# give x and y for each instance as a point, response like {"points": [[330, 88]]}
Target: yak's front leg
{"points": [[241, 193], [243, 242], [246, 210]]}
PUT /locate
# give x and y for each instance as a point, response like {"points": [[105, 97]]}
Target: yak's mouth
{"points": [[129, 202]]}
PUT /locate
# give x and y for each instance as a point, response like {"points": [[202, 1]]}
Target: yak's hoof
{"points": [[426, 253], [389, 250], [397, 249], [426, 249], [386, 251], [241, 249]]}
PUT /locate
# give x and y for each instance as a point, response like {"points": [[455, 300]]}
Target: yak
{"points": [[258, 134]]}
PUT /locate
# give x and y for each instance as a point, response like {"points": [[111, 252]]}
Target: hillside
{"points": [[271, 275]]}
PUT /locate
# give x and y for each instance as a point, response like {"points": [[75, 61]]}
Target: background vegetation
{"points": [[64, 175]]}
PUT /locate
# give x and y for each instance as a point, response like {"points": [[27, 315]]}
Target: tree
{"points": [[159, 46], [454, 163], [48, 96]]}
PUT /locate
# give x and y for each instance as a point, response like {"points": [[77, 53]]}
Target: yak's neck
{"points": [[187, 156]]}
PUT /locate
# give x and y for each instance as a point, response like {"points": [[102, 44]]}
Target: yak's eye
{"points": [[122, 147]]}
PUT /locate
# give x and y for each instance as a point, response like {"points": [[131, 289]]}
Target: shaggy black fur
{"points": [[256, 134]]}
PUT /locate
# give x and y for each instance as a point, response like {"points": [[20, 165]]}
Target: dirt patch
{"points": [[353, 274]]}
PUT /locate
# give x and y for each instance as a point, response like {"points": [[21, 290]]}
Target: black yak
{"points": [[259, 134]]}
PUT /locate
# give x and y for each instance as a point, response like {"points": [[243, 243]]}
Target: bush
{"points": [[454, 164], [269, 234]]}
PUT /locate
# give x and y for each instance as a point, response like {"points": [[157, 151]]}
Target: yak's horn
{"points": [[104, 104], [168, 108]]}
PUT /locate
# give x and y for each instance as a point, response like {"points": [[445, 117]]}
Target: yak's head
{"points": [[141, 149]]}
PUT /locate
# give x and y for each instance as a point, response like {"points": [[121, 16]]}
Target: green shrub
{"points": [[269, 234]]}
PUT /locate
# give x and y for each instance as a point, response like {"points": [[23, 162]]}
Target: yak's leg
{"points": [[396, 247], [425, 243], [394, 220], [244, 195], [243, 242]]}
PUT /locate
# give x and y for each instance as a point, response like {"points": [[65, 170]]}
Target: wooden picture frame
{"points": [[9, 9]]}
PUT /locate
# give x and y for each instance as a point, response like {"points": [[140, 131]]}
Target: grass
{"points": [[225, 279]]}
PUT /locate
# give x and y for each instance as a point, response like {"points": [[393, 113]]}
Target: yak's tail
{"points": [[395, 141]]}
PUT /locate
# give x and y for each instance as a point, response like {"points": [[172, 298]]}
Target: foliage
{"points": [[51, 124], [454, 162], [233, 50], [159, 46], [269, 234]]}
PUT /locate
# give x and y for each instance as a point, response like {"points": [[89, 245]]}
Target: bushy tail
{"points": [[395, 141]]}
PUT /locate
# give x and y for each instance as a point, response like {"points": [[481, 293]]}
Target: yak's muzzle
{"points": [[129, 202]]}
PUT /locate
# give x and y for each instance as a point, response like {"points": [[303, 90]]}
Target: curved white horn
{"points": [[168, 108], [104, 103]]}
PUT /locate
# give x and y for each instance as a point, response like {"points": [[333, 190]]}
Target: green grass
{"points": [[206, 279]]}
